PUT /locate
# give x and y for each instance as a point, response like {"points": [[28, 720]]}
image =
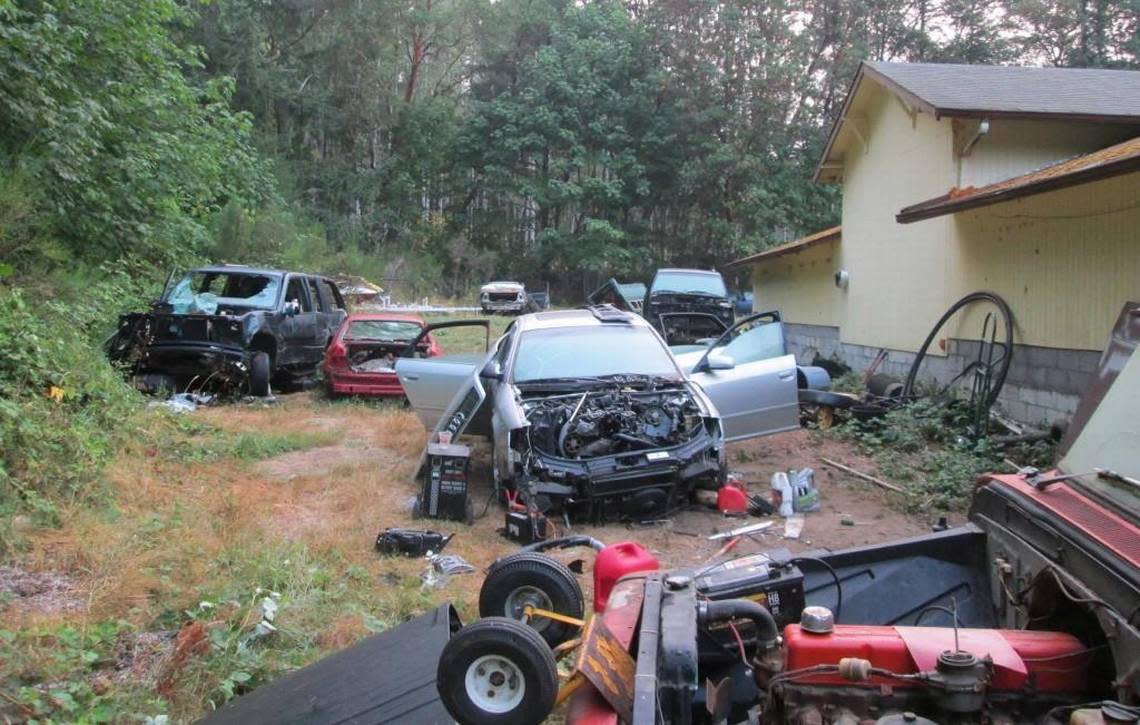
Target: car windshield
{"points": [[584, 352], [203, 292], [383, 330], [705, 284]]}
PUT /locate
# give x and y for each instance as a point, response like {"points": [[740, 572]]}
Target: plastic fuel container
{"points": [[615, 561]]}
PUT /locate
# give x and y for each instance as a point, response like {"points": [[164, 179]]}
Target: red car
{"points": [[361, 356]]}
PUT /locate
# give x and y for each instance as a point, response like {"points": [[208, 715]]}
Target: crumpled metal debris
{"points": [[441, 567], [184, 402]]}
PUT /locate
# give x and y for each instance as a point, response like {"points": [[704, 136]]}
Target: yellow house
{"points": [[1020, 181]]}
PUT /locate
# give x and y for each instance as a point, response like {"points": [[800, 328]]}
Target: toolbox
{"points": [[444, 494]]}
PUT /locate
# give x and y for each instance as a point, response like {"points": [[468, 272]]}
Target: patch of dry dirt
{"points": [[325, 460], [39, 593]]}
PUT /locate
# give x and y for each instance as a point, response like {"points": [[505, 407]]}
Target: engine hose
{"points": [[566, 426], [767, 632], [565, 542], [635, 440]]}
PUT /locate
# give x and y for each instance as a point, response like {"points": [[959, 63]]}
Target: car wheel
{"points": [[527, 578], [497, 670], [259, 374]]}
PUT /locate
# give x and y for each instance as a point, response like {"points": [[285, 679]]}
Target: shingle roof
{"points": [[796, 245], [987, 91], [1122, 158], [993, 90]]}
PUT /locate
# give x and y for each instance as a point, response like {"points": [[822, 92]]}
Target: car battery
{"points": [[765, 578], [525, 527], [444, 494]]}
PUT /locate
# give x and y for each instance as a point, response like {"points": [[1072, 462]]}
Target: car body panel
{"points": [[436, 387], [343, 377], [197, 334], [503, 296], [756, 398], [701, 309]]}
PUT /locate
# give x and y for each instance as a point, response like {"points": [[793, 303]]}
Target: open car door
{"points": [[437, 385], [750, 378]]}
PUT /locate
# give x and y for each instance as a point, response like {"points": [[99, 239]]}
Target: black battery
{"points": [[766, 578], [444, 494], [525, 527]]}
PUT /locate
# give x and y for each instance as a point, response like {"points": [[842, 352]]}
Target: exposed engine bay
{"points": [[797, 665], [592, 424]]}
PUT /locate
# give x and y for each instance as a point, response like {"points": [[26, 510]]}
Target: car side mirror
{"points": [[491, 371], [720, 361]]}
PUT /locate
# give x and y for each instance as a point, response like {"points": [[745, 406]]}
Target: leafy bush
{"points": [[62, 405]]}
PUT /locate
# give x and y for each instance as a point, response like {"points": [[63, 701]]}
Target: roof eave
{"points": [[943, 205]]}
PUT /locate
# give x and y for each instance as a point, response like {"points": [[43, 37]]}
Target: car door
{"points": [[299, 326], [332, 310], [750, 378], [446, 384]]}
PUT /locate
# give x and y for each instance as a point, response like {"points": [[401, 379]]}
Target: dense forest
{"points": [[425, 144], [434, 143]]}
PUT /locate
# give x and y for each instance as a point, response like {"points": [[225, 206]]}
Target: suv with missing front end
{"points": [[230, 328], [688, 305]]}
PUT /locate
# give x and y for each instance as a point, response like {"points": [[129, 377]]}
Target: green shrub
{"points": [[63, 407]]}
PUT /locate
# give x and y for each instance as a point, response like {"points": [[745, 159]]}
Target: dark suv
{"points": [[688, 305], [233, 326]]}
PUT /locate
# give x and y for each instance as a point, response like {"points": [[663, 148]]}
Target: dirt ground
{"points": [[187, 527], [320, 503]]}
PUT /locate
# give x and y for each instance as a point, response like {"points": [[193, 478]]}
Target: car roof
{"points": [[385, 316], [710, 272], [243, 269], [574, 318]]}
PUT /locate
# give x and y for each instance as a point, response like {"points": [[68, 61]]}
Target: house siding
{"points": [[1065, 260]]}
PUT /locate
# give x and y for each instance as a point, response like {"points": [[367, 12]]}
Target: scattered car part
{"points": [[624, 296], [411, 542]]}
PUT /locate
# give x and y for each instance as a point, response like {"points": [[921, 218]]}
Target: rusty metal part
{"points": [[604, 661]]}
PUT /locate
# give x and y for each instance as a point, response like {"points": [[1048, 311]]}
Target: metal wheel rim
{"points": [[495, 684], [517, 601]]}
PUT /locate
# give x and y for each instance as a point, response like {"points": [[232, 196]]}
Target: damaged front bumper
{"points": [[630, 486]]}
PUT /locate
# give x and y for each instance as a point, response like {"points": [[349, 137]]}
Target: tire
{"points": [[259, 374], [536, 579], [497, 670]]}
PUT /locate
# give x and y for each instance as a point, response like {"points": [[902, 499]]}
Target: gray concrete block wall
{"points": [[1043, 385]]}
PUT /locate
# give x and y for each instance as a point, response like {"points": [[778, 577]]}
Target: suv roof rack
{"points": [[609, 313]]}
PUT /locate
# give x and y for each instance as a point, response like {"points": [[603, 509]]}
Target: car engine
{"points": [[592, 424]]}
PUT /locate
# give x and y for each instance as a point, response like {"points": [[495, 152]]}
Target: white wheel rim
{"points": [[495, 684], [526, 595]]}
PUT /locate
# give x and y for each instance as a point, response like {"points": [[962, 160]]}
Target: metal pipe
{"points": [[983, 129]]}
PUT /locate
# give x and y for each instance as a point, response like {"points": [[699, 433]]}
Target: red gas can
{"points": [[732, 499], [615, 561]]}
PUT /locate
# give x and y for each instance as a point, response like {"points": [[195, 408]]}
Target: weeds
{"points": [[920, 447]]}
